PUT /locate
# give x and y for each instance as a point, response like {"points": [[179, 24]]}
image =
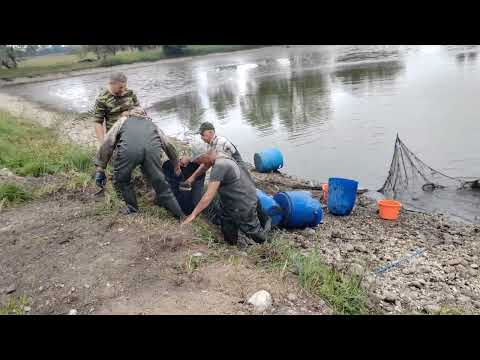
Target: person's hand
{"points": [[189, 181], [100, 178], [178, 170], [184, 186], [188, 220], [151, 197], [184, 160]]}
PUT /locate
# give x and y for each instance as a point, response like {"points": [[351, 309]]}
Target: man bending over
{"points": [[137, 141], [239, 208]]}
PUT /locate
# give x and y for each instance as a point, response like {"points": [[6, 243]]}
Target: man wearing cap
{"points": [[238, 208], [111, 103], [137, 141], [218, 143]]}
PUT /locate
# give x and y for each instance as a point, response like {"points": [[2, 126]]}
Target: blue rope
{"points": [[387, 267]]}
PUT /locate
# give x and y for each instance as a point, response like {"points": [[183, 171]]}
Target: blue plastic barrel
{"points": [[270, 207], [341, 195], [268, 160], [300, 209]]}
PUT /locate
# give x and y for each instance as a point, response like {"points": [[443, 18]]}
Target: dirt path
{"points": [[62, 254]]}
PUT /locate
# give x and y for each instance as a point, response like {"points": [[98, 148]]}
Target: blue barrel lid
{"points": [[285, 203]]}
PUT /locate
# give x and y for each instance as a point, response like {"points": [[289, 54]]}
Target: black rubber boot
{"points": [[266, 229], [130, 210], [229, 231], [128, 193], [172, 205], [214, 212]]}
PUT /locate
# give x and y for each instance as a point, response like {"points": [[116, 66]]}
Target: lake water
{"points": [[331, 110]]}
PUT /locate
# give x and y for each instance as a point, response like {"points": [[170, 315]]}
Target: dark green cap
{"points": [[206, 126]]}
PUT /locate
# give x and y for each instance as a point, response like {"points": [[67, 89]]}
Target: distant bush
{"points": [[174, 50]]}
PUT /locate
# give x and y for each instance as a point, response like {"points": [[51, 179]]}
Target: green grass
{"points": [[204, 231], [30, 150], [194, 50], [111, 202], [48, 64], [58, 63], [342, 292], [50, 60], [192, 263], [13, 193], [130, 57], [14, 306], [153, 213], [47, 190], [80, 181], [445, 310], [74, 181]]}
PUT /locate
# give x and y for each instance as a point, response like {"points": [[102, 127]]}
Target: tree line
{"points": [[10, 55], [102, 51]]}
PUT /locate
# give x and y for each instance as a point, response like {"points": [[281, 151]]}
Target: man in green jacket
{"points": [[111, 103]]}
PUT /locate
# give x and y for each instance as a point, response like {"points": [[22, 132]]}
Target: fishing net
{"points": [[421, 187]]}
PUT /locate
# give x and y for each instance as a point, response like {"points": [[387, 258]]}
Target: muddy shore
{"points": [[444, 276]]}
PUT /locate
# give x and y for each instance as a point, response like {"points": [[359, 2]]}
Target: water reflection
{"points": [[296, 102], [308, 60], [466, 57], [190, 110], [355, 54], [222, 99], [369, 76], [303, 100], [187, 109], [257, 106]]}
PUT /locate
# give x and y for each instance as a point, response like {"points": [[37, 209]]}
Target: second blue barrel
{"points": [[341, 195], [270, 207], [300, 209], [268, 160]]}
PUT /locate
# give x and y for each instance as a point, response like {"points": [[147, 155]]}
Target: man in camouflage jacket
{"points": [[111, 103]]}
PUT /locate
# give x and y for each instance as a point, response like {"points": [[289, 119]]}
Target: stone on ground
{"points": [[261, 300]]}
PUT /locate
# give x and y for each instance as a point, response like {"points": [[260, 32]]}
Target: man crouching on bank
{"points": [[239, 208]]}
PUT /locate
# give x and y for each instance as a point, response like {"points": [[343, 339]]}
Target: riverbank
{"points": [[58, 68], [150, 264], [65, 250]]}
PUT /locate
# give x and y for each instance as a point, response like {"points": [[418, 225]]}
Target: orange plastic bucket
{"points": [[389, 209], [325, 192]]}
